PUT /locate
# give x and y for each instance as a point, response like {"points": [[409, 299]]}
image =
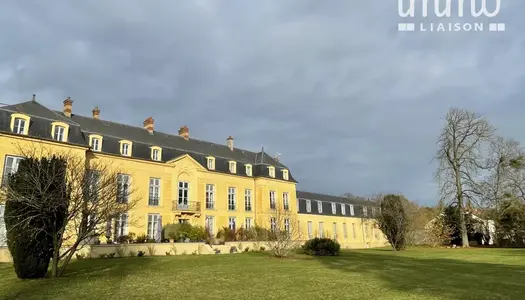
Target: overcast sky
{"points": [[352, 104]]}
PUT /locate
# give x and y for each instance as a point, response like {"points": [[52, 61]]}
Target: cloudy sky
{"points": [[352, 104]]}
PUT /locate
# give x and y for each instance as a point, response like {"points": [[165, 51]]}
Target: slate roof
{"points": [[326, 202], [172, 146]]}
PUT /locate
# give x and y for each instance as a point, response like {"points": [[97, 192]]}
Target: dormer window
{"points": [[210, 162], [20, 124], [248, 169], [285, 174], [271, 172], [95, 142], [125, 148], [59, 131], [233, 167], [156, 153]]}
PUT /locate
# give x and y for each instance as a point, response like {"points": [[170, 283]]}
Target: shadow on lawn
{"points": [[447, 278], [81, 272]]}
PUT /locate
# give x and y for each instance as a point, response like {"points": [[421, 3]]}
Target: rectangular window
{"points": [[345, 232], [286, 201], [272, 200], [320, 207], [247, 223], [123, 184], [354, 234], [154, 191], [210, 196], [231, 198], [92, 185], [10, 167], [351, 209], [209, 225], [287, 225], [248, 170], [19, 126], [125, 149], [231, 223], [153, 226], [156, 154], [334, 208], [248, 200], [308, 206], [365, 211], [233, 167], [310, 230], [273, 224], [321, 230], [211, 163], [184, 190], [59, 133], [285, 174], [343, 209], [335, 230], [121, 226], [95, 144], [271, 172]]}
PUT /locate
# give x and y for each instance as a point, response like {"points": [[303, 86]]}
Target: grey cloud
{"points": [[353, 105]]}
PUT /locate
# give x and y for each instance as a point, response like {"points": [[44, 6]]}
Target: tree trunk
{"points": [[463, 227], [67, 259], [56, 253]]}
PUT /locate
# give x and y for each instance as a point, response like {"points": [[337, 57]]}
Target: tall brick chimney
{"points": [[149, 124], [229, 142], [184, 132], [68, 107], [96, 113]]}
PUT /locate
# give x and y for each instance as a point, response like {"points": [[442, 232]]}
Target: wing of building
{"points": [[180, 178]]}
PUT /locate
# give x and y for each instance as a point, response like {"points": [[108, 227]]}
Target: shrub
{"points": [[80, 256], [121, 251], [141, 238], [185, 231], [131, 237], [140, 254], [227, 235], [322, 247], [168, 253], [122, 239], [246, 249]]}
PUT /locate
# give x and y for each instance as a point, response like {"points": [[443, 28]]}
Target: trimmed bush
{"points": [[185, 231], [322, 247]]}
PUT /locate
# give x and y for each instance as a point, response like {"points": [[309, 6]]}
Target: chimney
{"points": [[149, 125], [96, 113], [184, 132], [229, 142], [68, 106]]}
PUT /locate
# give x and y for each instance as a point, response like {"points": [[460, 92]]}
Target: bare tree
{"points": [[461, 148], [285, 234], [96, 194]]}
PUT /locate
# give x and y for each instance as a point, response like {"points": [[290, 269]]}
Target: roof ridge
{"points": [[169, 134]]}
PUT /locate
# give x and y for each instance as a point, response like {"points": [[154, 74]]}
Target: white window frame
{"points": [[343, 209], [155, 153], [248, 200], [20, 127], [209, 224], [271, 172], [153, 225], [210, 196], [310, 230], [286, 201], [351, 209], [334, 208], [232, 201], [233, 167], [308, 206], [334, 229], [154, 191], [125, 149], [123, 186], [285, 174], [248, 170], [365, 211], [210, 163], [273, 224], [354, 233], [273, 202], [248, 223], [232, 223], [95, 144], [60, 133], [13, 168], [321, 229], [121, 225], [345, 231], [287, 225], [319, 206], [183, 195]]}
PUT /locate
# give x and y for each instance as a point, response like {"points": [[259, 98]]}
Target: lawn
{"points": [[363, 274]]}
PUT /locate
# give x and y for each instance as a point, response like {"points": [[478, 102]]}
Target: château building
{"points": [[183, 179]]}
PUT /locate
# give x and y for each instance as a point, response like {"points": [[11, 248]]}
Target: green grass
{"points": [[364, 274]]}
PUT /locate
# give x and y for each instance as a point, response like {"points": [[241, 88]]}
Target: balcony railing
{"points": [[190, 206]]}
